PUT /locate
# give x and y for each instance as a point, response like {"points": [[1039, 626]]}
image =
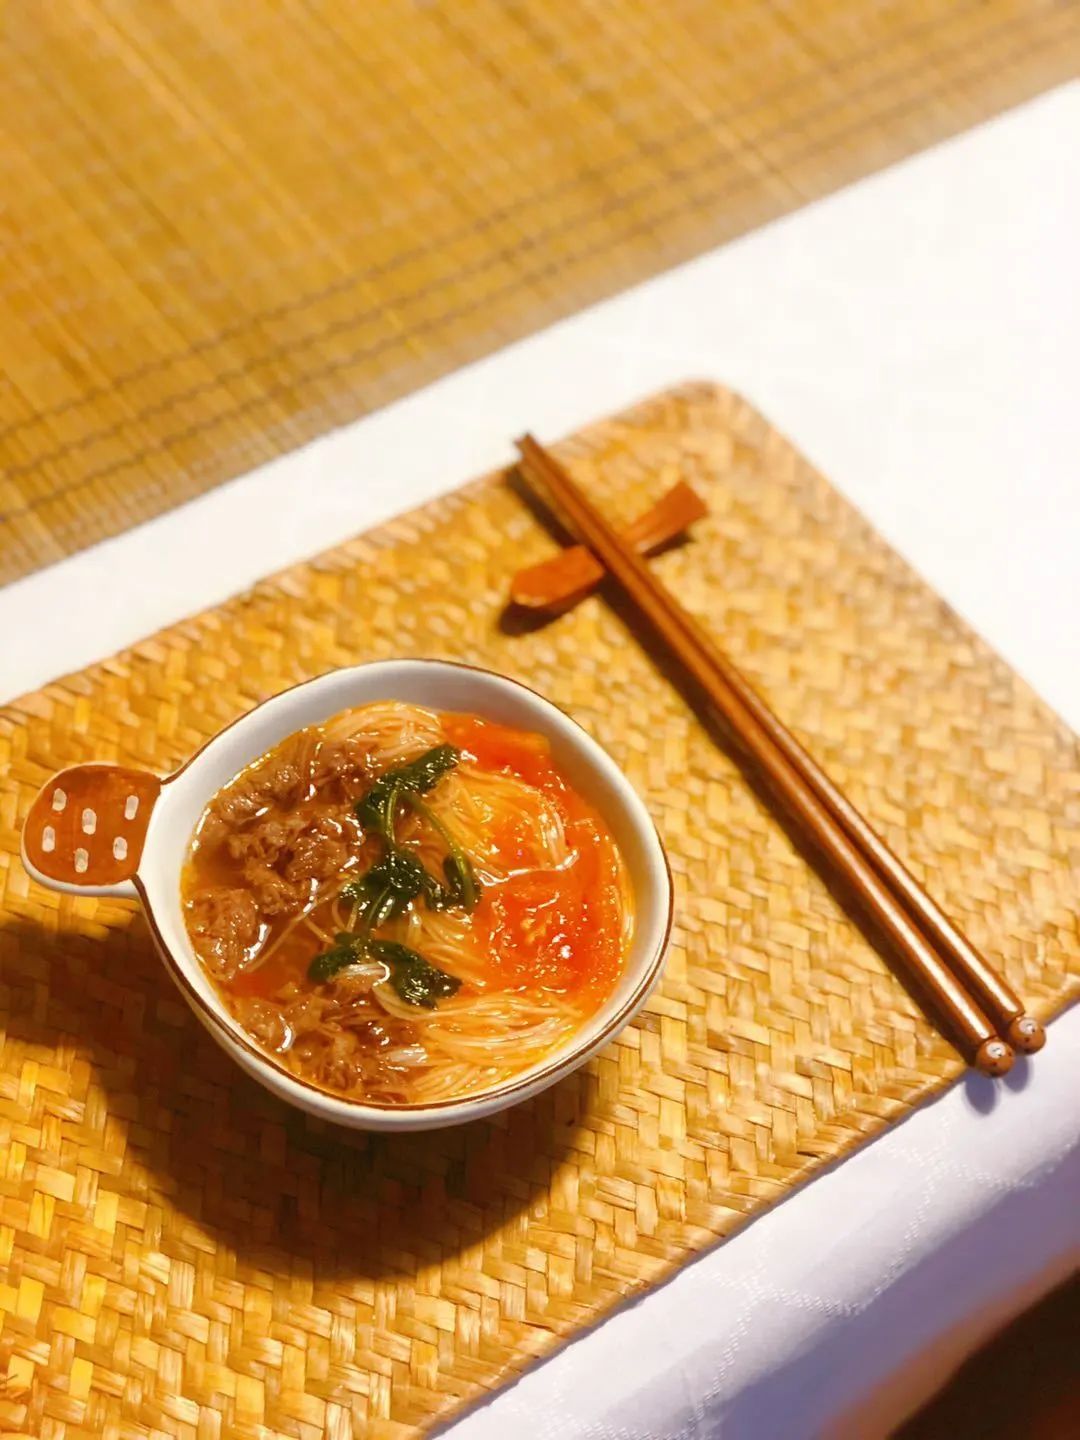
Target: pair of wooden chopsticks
{"points": [[957, 985]]}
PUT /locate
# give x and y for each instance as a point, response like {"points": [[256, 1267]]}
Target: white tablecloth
{"points": [[918, 336]]}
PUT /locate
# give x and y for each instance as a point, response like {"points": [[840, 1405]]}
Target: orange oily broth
{"points": [[545, 944]]}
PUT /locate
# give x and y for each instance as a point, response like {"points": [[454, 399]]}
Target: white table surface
{"points": [[918, 336]]}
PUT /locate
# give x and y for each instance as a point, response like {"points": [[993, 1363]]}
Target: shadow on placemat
{"points": [[274, 1186]]}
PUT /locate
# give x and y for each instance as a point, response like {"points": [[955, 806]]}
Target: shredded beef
{"points": [[225, 924], [267, 840], [276, 782], [344, 763], [274, 894], [337, 1037], [318, 852], [263, 1021]]}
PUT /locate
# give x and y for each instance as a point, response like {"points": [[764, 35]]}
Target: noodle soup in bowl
{"points": [[404, 895]]}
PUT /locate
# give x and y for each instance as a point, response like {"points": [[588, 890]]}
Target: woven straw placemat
{"points": [[228, 228], [183, 1255]]}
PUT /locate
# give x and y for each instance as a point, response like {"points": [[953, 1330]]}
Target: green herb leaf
{"points": [[376, 810], [415, 979], [421, 774], [347, 949], [397, 879], [377, 902], [436, 896], [461, 880], [462, 887], [387, 888], [400, 873]]}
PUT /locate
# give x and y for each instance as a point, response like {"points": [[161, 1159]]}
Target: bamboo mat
{"points": [[228, 228], [181, 1255]]}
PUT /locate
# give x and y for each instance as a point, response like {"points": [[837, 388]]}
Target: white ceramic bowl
{"points": [[107, 831]]}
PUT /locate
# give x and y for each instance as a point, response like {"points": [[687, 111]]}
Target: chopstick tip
{"points": [[1027, 1034], [994, 1057]]}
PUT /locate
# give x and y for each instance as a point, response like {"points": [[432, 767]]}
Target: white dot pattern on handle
{"points": [[48, 839], [59, 800], [82, 860], [119, 848], [89, 821], [131, 807]]}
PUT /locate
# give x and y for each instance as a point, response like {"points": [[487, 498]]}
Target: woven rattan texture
{"points": [[227, 228], [184, 1256]]}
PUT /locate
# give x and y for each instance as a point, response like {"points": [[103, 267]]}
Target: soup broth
{"points": [[403, 906]]}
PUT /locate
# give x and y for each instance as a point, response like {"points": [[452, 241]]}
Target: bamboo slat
{"points": [[229, 228]]}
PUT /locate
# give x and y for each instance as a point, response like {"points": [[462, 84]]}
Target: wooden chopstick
{"points": [[889, 895], [678, 508], [1001, 1004]]}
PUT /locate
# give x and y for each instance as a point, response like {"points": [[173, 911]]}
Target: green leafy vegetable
{"points": [[462, 887], [400, 873], [395, 880], [347, 949], [377, 902], [461, 880], [386, 889], [415, 979], [376, 809]]}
